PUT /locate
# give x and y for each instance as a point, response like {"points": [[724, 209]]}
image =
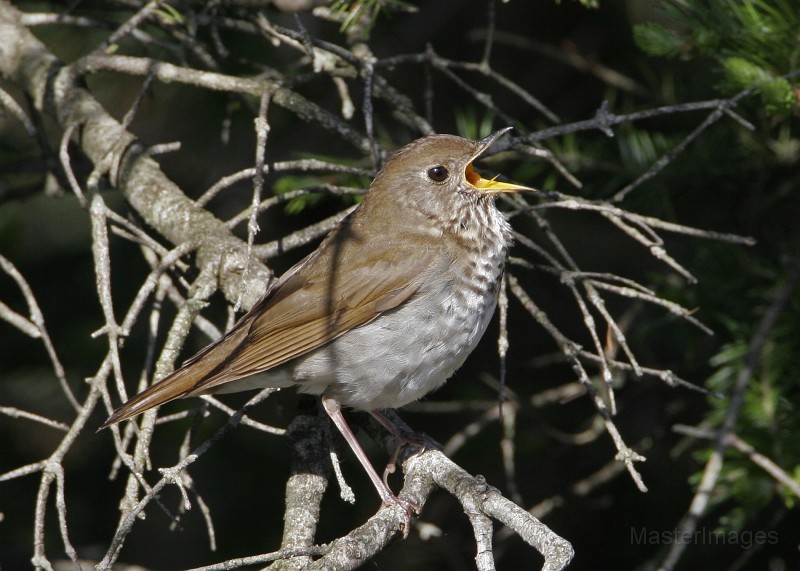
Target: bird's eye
{"points": [[438, 173]]}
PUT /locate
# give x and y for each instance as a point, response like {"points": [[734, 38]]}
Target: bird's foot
{"points": [[403, 436], [404, 506], [418, 440]]}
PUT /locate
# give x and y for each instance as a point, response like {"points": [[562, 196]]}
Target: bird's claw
{"points": [[405, 507], [418, 440]]}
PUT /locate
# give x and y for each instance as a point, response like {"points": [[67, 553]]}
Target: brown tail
{"points": [[188, 379], [170, 388]]}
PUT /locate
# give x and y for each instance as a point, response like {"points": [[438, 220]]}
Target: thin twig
{"points": [[262, 130]]}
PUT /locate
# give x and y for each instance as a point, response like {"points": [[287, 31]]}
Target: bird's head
{"points": [[435, 175]]}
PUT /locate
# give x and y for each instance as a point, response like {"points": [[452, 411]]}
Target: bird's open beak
{"points": [[491, 186]]}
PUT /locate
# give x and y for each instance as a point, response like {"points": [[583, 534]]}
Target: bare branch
{"points": [[193, 249]]}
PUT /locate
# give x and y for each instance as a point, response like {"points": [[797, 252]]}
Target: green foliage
{"points": [[290, 183], [169, 15], [784, 147], [359, 12], [777, 93], [472, 126], [639, 148], [755, 42], [769, 419], [657, 40], [311, 191]]}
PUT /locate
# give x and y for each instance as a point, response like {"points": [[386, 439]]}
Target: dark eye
{"points": [[438, 173]]}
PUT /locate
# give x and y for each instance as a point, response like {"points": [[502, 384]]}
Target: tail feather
{"points": [[170, 388], [185, 381]]}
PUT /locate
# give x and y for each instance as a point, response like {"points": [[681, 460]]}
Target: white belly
{"points": [[414, 350]]}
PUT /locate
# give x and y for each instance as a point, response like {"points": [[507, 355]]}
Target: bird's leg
{"points": [[403, 436], [334, 410]]}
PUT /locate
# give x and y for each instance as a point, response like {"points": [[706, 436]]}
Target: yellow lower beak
{"points": [[492, 186]]}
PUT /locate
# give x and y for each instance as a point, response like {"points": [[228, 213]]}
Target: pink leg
{"points": [[334, 410]]}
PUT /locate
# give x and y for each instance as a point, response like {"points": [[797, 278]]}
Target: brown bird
{"points": [[386, 308]]}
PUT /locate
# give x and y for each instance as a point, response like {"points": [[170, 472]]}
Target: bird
{"points": [[387, 307]]}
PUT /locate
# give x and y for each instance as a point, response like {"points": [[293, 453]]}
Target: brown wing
{"points": [[312, 304], [329, 304]]}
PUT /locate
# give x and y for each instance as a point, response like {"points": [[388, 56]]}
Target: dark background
{"points": [[720, 183]]}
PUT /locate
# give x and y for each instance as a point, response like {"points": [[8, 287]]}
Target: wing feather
{"points": [[282, 333], [309, 306]]}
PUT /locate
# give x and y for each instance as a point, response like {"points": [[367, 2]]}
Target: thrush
{"points": [[388, 306]]}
